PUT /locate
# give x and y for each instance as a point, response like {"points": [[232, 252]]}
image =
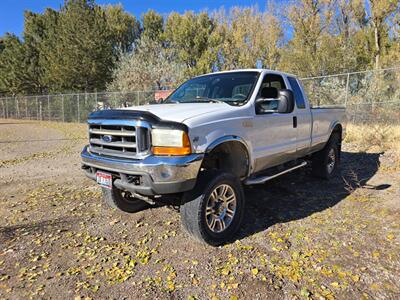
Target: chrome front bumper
{"points": [[153, 175]]}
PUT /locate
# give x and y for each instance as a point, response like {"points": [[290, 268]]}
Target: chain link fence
{"points": [[369, 96], [69, 107]]}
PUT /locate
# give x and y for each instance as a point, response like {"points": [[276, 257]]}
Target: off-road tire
{"points": [[115, 198], [194, 202], [321, 160]]}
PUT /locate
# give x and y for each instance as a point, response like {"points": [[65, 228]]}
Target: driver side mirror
{"points": [[284, 103]]}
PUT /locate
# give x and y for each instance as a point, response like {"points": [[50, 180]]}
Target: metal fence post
{"points": [[347, 89], [40, 109], [79, 113], [2, 106], [17, 107], [62, 108], [26, 107], [37, 108], [138, 102], [97, 103], [48, 106], [6, 109]]}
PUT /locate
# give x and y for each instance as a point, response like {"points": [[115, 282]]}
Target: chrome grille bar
{"points": [[119, 138], [113, 144], [112, 132]]}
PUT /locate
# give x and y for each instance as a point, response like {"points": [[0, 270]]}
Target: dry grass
{"points": [[73, 131], [383, 138], [380, 137]]}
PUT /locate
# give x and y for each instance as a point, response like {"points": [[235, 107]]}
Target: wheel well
{"points": [[338, 130], [231, 156]]}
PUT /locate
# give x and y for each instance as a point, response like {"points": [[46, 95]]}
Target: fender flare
{"points": [[333, 126]]}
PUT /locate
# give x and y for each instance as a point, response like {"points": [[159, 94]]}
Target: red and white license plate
{"points": [[104, 179]]}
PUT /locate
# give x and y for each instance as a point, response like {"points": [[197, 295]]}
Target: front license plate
{"points": [[104, 179]]}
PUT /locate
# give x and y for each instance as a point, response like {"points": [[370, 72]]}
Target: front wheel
{"points": [[118, 199], [213, 211]]}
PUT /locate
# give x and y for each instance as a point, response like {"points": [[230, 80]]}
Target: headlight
{"points": [[170, 142]]}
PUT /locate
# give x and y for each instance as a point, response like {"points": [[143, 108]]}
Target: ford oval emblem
{"points": [[107, 138]]}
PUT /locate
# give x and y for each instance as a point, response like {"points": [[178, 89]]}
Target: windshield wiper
{"points": [[206, 99], [197, 99]]}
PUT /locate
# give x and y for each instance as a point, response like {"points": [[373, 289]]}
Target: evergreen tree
{"points": [[13, 76], [82, 59]]}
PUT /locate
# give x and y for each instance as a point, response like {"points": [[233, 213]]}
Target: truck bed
{"points": [[323, 119]]}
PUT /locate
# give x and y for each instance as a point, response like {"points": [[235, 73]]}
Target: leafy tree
{"points": [[380, 11], [248, 37], [84, 46], [149, 67], [190, 34], [153, 26], [312, 47], [2, 46], [124, 28]]}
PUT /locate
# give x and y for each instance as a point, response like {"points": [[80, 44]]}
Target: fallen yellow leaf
{"points": [[254, 271]]}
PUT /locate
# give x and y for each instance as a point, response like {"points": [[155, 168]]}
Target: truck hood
{"points": [[180, 112]]}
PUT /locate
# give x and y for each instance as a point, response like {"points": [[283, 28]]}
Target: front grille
{"points": [[125, 141]]}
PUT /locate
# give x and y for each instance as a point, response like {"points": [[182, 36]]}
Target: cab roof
{"points": [[250, 70]]}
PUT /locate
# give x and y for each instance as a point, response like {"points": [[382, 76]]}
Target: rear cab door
{"points": [[302, 117]]}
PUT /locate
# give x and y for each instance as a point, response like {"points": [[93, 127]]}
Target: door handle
{"points": [[294, 122]]}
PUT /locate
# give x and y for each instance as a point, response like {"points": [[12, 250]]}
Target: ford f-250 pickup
{"points": [[212, 135]]}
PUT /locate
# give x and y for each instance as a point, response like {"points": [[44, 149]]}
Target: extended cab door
{"points": [[274, 135], [303, 116]]}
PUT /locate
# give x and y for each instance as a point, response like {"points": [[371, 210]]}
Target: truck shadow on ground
{"points": [[298, 195], [10, 232]]}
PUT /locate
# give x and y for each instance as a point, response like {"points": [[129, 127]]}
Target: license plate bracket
{"points": [[104, 179]]}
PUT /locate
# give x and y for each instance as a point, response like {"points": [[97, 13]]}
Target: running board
{"points": [[262, 179]]}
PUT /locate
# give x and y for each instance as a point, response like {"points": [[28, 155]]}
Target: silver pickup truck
{"points": [[212, 135]]}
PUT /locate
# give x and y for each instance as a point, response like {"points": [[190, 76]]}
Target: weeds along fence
{"points": [[369, 96]]}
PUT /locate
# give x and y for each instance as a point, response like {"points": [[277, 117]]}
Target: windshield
{"points": [[233, 88]]}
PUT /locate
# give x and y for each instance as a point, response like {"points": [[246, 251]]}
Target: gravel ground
{"points": [[302, 237]]}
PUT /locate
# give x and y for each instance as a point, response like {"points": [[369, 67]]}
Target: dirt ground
{"points": [[302, 237]]}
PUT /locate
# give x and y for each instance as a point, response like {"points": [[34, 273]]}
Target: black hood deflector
{"points": [[124, 114]]}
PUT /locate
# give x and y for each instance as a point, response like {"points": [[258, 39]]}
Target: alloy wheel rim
{"points": [[331, 160], [221, 208]]}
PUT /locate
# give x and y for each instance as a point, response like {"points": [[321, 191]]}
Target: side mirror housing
{"points": [[283, 104], [286, 101]]}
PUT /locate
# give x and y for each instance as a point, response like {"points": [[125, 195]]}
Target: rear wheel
{"points": [[213, 211], [118, 199], [325, 163]]}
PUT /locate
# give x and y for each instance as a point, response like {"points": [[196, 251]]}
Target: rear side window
{"points": [[298, 94]]}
